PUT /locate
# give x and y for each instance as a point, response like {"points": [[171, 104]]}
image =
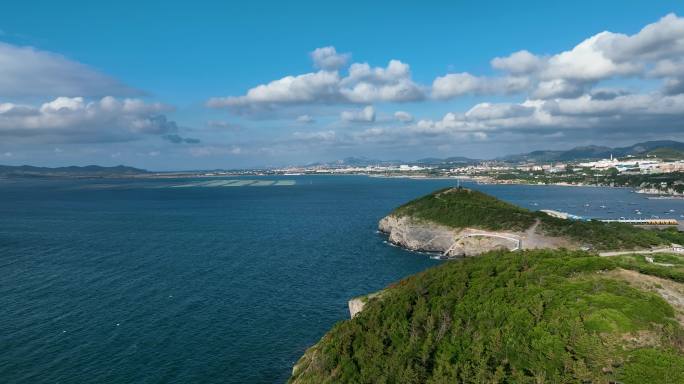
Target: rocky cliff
{"points": [[426, 236]]}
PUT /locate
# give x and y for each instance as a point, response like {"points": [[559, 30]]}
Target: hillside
{"points": [[523, 317], [593, 152], [667, 153], [448, 212], [72, 171]]}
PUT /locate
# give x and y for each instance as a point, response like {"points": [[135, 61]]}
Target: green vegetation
{"points": [[27, 171], [609, 236], [665, 265], [505, 317], [667, 153], [660, 181], [460, 208], [664, 182]]}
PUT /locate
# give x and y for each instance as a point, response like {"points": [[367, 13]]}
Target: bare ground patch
{"points": [[670, 291]]}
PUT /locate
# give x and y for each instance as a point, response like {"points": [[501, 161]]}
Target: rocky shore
{"points": [[425, 236]]}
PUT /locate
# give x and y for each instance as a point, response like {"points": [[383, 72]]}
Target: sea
{"points": [[215, 280]]}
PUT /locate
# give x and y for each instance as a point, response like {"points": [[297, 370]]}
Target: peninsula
{"points": [[464, 222], [559, 313]]}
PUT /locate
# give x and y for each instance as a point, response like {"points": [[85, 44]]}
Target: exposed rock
{"points": [[355, 306], [420, 235], [417, 235]]}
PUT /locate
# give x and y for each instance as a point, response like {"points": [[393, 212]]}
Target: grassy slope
{"points": [[538, 316], [460, 208]]}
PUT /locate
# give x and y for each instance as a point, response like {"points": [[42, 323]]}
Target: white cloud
{"points": [[655, 51], [488, 111], [659, 40], [558, 88], [365, 115], [404, 117], [309, 88], [587, 62], [559, 94], [305, 119], [519, 63], [75, 119], [621, 112], [459, 84], [29, 72], [364, 84], [393, 83], [456, 84], [327, 58]]}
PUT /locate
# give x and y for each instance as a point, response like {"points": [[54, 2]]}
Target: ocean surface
{"points": [[209, 281]]}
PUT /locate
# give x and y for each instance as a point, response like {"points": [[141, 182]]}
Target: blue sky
{"points": [[173, 58]]}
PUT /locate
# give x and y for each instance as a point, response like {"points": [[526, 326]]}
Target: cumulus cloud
{"points": [[363, 84], [393, 83], [327, 58], [404, 117], [619, 112], [309, 88], [558, 88], [567, 93], [519, 63], [487, 111], [654, 52], [365, 115], [30, 72], [459, 84], [75, 119], [656, 41]]}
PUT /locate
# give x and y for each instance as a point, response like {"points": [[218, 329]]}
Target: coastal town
{"points": [[647, 174]]}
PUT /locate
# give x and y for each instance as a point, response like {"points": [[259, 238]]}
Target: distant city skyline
{"points": [[173, 86]]}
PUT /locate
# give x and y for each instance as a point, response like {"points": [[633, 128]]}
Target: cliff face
{"points": [[425, 236], [416, 235], [355, 306]]}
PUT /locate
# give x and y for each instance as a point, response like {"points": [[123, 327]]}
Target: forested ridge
{"points": [[523, 317]]}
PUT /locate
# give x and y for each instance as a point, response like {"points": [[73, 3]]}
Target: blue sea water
{"points": [[135, 281]]}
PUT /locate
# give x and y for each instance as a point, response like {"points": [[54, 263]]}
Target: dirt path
{"points": [[646, 251], [531, 239]]}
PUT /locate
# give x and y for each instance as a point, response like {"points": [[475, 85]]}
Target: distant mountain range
{"points": [[662, 148], [73, 171]]}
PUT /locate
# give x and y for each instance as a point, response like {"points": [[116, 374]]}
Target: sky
{"points": [[204, 85]]}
